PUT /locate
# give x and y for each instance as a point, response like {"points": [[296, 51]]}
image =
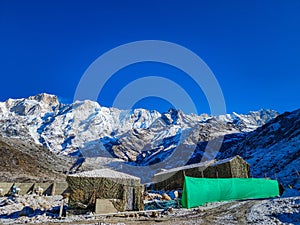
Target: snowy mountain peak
{"points": [[71, 128], [141, 137], [33, 105], [45, 98], [250, 121]]}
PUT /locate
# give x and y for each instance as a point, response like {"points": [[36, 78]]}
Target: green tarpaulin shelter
{"points": [[198, 191]]}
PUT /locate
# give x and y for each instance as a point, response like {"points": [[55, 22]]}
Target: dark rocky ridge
{"points": [[26, 162]]}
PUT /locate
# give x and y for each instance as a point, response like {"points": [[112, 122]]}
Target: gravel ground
{"points": [[44, 211], [276, 211]]}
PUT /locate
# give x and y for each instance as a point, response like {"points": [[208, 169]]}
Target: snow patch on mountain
{"points": [[68, 128], [273, 150], [142, 137]]}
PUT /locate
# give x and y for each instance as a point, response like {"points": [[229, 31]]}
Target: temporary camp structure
{"points": [[120, 191], [227, 168], [198, 191]]}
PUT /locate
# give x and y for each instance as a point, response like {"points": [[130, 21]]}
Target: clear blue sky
{"points": [[253, 47]]}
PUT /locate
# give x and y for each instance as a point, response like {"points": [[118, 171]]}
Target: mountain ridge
{"points": [[63, 128], [100, 135]]}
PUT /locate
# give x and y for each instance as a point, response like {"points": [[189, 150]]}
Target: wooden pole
{"points": [[61, 208]]}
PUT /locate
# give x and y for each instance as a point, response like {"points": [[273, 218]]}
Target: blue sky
{"points": [[252, 47]]}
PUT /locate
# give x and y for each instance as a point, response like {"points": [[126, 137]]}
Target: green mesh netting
{"points": [[198, 191]]}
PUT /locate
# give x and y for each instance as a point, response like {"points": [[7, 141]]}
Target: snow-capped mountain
{"points": [[139, 137], [85, 128], [273, 150], [270, 143], [39, 134]]}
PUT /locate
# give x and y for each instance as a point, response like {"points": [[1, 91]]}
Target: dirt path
{"points": [[222, 214], [229, 213]]}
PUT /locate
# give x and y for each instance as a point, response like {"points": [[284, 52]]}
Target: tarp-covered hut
{"points": [[172, 179], [198, 191], [122, 191]]}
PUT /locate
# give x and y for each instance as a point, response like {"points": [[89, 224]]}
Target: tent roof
{"points": [[203, 165], [106, 173]]}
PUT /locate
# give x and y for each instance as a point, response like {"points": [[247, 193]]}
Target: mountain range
{"points": [[84, 135]]}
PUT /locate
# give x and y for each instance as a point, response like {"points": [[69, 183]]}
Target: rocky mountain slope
{"points": [[142, 138], [22, 161], [85, 127], [272, 150]]}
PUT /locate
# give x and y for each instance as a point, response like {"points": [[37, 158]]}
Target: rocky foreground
{"points": [[33, 209]]}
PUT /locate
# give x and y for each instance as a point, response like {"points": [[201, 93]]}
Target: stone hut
{"points": [[105, 191], [227, 168]]}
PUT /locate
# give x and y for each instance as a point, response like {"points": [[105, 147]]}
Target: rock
{"points": [[154, 214]]}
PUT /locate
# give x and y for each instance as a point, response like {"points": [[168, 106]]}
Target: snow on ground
{"points": [[29, 208], [276, 211], [37, 209]]}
